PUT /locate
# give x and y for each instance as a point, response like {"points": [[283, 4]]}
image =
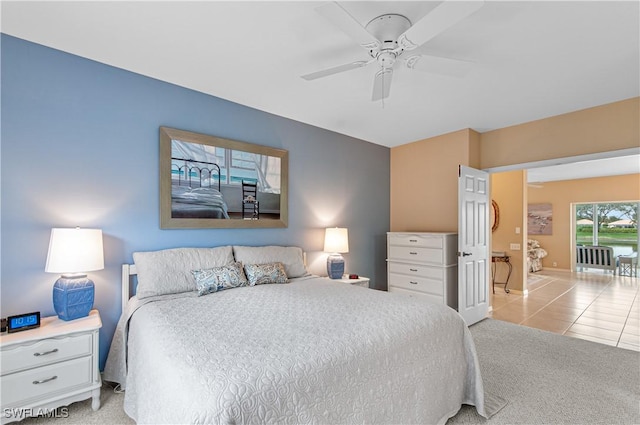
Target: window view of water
{"points": [[608, 224], [613, 224]]}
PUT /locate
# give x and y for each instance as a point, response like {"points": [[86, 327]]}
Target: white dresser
{"points": [[424, 265], [50, 366]]}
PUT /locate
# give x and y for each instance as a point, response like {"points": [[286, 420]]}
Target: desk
{"points": [[500, 259]]}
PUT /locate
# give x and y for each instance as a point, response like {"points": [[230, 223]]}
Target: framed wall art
{"points": [[540, 219], [211, 182]]}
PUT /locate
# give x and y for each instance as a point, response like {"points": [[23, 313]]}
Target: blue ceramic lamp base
{"points": [[73, 297], [335, 266]]}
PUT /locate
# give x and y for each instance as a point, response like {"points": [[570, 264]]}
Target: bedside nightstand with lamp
{"points": [[336, 242], [54, 362]]}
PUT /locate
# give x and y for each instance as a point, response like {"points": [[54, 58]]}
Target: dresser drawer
{"points": [[44, 352], [408, 239], [416, 283], [417, 270], [21, 387], [419, 295], [413, 254]]}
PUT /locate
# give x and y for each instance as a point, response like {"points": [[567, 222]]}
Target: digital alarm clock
{"points": [[22, 322]]}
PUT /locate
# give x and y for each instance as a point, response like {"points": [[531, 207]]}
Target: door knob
{"points": [[464, 254]]}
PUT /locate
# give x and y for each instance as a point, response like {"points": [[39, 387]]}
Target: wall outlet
{"points": [[514, 246], [517, 230], [555, 264]]}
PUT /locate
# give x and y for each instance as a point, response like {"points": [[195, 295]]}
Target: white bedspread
{"points": [[312, 351]]}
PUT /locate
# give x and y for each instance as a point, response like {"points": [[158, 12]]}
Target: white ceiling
{"points": [[531, 59]]}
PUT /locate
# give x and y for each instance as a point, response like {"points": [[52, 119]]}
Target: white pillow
{"points": [[169, 271], [290, 256]]}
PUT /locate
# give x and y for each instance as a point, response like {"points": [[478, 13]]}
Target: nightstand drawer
{"points": [[416, 283], [413, 254], [44, 352], [409, 239], [47, 380]]}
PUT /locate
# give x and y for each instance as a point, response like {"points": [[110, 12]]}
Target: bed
{"points": [[201, 202], [193, 192], [308, 351]]}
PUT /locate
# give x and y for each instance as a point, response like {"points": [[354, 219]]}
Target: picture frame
{"points": [[540, 219], [213, 182]]}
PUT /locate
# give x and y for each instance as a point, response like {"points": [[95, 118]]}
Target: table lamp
{"points": [[73, 252], [336, 242]]}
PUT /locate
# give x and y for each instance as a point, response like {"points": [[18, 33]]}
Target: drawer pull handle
{"points": [[412, 282], [413, 240], [44, 353], [413, 253], [413, 270], [42, 381]]}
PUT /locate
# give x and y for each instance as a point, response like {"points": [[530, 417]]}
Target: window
{"points": [[612, 224]]}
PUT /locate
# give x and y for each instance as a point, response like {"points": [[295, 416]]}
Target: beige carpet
{"points": [[549, 378], [546, 379]]}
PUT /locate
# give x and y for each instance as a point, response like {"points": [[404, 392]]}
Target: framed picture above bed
{"points": [[211, 182]]}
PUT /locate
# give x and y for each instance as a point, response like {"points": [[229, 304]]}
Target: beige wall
{"points": [[508, 189], [562, 194], [604, 128], [424, 181], [424, 174]]}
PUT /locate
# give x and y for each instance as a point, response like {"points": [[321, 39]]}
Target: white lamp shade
{"points": [[336, 239], [75, 251]]}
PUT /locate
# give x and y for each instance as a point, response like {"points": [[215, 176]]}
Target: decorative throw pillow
{"points": [[259, 274], [219, 278]]}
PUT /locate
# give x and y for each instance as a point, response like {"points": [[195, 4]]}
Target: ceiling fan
{"points": [[387, 38]]}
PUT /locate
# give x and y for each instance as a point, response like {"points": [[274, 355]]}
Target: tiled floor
{"points": [[596, 306]]}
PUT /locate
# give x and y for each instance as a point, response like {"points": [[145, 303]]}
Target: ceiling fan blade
{"points": [[382, 84], [439, 65], [339, 17], [335, 70], [444, 16]]}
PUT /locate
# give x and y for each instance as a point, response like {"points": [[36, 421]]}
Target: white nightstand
{"points": [[50, 366], [360, 281]]}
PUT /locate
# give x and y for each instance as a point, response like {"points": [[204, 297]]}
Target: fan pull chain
{"points": [[382, 90]]}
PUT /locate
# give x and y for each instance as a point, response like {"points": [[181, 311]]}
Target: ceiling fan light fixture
{"points": [[387, 36]]}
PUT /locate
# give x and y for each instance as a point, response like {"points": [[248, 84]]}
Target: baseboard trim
{"points": [[558, 270]]}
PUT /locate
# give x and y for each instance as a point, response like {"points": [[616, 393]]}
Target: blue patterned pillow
{"points": [[219, 278], [259, 274]]}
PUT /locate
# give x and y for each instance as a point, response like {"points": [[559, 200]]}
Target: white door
{"points": [[473, 244]]}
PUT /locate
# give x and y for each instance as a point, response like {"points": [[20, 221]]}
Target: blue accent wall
{"points": [[79, 147]]}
